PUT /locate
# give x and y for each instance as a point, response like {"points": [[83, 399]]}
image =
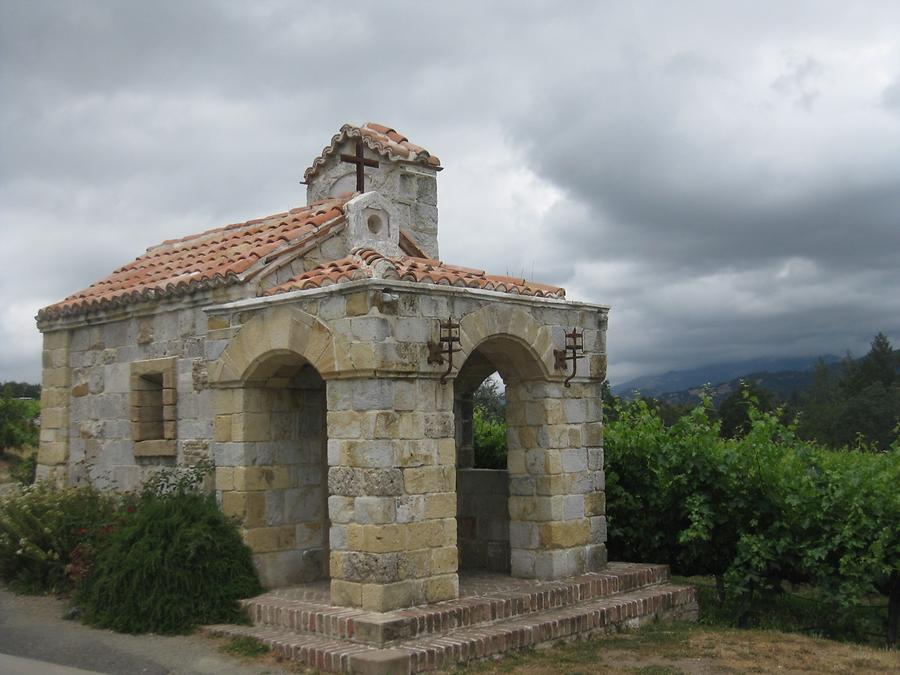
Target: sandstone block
{"points": [[375, 510], [341, 509], [346, 593], [428, 479], [354, 482], [385, 597], [595, 504], [564, 534], [444, 587], [574, 460], [261, 477], [267, 539], [357, 304], [224, 478], [444, 560], [376, 538], [440, 505]]}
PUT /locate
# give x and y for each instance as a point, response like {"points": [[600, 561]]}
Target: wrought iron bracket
{"points": [[573, 352], [443, 350]]}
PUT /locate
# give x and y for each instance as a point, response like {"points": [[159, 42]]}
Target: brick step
{"points": [[430, 652], [490, 599]]}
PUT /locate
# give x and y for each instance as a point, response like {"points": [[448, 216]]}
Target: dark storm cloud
{"points": [[726, 176]]}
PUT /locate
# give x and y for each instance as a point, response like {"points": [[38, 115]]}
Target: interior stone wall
{"points": [[483, 519], [276, 485]]}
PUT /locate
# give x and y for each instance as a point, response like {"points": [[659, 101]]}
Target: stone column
{"points": [[53, 453], [556, 503], [463, 410], [392, 487]]}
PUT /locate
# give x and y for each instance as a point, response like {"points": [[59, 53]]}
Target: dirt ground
{"points": [[33, 627], [669, 650]]}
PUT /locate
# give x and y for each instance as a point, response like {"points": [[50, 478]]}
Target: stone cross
{"points": [[361, 162]]}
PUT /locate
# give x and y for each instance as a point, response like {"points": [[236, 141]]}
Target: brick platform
{"points": [[494, 614]]}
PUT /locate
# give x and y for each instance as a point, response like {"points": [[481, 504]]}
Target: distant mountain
{"points": [[783, 383], [781, 374]]}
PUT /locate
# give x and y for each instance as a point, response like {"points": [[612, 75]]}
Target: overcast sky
{"points": [[725, 175]]}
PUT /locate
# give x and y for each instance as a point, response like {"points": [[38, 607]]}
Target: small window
{"points": [[153, 399]]}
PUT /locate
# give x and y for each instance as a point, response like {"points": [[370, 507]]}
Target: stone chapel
{"points": [[324, 359]]}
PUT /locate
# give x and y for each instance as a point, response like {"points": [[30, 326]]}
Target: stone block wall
{"points": [[53, 453], [412, 189], [482, 497], [391, 478], [557, 488], [88, 398], [271, 474]]}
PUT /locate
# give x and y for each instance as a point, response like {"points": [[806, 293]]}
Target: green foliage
{"points": [[17, 421], [490, 400], [41, 527], [175, 563], [734, 410], [246, 646], [21, 389], [24, 471], [490, 441], [859, 406], [756, 511]]}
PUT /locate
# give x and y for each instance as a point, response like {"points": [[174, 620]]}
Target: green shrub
{"points": [[42, 531], [756, 512], [489, 441], [17, 416], [25, 470], [176, 563], [246, 646]]}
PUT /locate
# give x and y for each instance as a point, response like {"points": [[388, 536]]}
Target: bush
{"points": [[757, 511], [489, 441], [177, 562], [40, 530], [17, 421], [24, 471]]}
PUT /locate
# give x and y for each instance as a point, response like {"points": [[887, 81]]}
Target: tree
{"points": [[17, 428], [490, 400], [858, 407], [734, 410]]}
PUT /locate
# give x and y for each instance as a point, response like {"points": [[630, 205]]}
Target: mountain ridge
{"points": [[723, 373]]}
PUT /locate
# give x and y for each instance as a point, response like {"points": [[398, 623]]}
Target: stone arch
{"points": [[280, 330], [519, 346], [505, 347]]}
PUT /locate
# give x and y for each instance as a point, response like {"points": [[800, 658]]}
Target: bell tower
{"points": [[382, 161]]}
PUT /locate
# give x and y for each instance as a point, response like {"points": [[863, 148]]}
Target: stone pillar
{"points": [[463, 410], [53, 453], [556, 503], [392, 487]]}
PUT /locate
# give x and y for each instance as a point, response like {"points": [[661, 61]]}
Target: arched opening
{"points": [[281, 429], [484, 400]]}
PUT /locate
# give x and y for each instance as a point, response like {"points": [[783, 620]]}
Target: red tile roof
{"points": [[381, 139], [218, 257], [364, 263]]}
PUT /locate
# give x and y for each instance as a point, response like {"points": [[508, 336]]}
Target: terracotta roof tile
{"points": [[365, 263], [381, 139], [217, 257]]}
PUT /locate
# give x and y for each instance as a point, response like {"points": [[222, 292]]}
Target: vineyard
{"points": [[760, 513]]}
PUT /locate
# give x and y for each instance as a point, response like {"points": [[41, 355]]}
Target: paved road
{"points": [[31, 628]]}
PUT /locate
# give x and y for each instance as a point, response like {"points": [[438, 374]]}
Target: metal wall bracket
{"points": [[574, 352], [445, 346]]}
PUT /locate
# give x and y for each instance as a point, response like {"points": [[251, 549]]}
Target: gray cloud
{"points": [[727, 177]]}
